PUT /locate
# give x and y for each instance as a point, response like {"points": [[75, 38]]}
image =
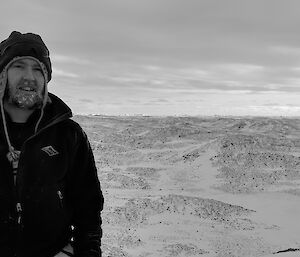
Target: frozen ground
{"points": [[221, 187]]}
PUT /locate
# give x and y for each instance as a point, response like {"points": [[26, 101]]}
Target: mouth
{"points": [[27, 89]]}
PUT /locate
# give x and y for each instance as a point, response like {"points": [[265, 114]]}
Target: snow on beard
{"points": [[24, 99]]}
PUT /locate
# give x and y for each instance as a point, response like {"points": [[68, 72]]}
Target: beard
{"points": [[23, 99]]}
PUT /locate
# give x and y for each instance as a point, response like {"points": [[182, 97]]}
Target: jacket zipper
{"points": [[19, 212], [16, 175], [60, 197], [15, 171]]}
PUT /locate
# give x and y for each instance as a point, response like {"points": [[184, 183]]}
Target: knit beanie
{"points": [[28, 44]]}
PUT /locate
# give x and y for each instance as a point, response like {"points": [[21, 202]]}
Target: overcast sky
{"points": [[168, 57]]}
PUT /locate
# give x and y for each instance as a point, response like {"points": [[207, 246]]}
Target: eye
{"points": [[38, 69], [18, 66]]}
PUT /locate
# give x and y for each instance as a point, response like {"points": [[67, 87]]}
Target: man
{"points": [[50, 196]]}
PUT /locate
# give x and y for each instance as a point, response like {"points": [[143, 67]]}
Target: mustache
{"points": [[27, 82]]}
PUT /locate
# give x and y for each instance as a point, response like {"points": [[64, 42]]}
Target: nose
{"points": [[28, 74]]}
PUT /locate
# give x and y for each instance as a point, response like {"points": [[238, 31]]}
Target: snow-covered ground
{"points": [[190, 186]]}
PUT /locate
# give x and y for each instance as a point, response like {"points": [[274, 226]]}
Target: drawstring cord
{"points": [[10, 147], [43, 106], [13, 155], [3, 82]]}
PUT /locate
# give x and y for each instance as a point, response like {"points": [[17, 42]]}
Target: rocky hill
{"points": [[194, 186]]}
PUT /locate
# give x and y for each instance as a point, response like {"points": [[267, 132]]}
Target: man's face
{"points": [[25, 86]]}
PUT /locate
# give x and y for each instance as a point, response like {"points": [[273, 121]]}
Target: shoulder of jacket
{"points": [[73, 130], [71, 123]]}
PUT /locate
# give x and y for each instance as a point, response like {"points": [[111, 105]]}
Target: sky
{"points": [[168, 57]]}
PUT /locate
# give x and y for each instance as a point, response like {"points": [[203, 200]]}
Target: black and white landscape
{"points": [[195, 186]]}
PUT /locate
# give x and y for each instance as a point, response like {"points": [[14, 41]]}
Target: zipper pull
{"points": [[61, 197], [13, 156], [15, 176], [19, 211], [19, 207]]}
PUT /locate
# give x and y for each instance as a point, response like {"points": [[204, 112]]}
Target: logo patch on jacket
{"points": [[50, 150]]}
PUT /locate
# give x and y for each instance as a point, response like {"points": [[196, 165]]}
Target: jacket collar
{"points": [[55, 111]]}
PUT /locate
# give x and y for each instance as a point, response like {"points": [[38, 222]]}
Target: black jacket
{"points": [[57, 188]]}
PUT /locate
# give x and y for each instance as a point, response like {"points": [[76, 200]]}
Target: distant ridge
{"points": [[194, 116]]}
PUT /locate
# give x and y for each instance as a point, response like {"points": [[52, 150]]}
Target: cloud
{"points": [[276, 105], [157, 101], [227, 77], [276, 109], [239, 69], [286, 50], [175, 51], [237, 77], [57, 58], [63, 73], [84, 100], [129, 79]]}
